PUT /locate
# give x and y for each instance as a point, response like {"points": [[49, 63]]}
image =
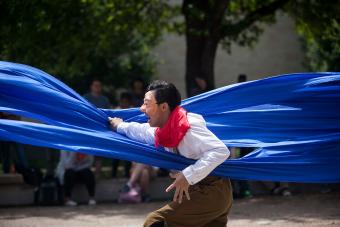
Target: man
{"points": [[199, 199], [96, 97], [7, 146], [137, 87], [200, 87]]}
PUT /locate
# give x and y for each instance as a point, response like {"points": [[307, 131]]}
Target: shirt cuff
{"points": [[189, 175]]}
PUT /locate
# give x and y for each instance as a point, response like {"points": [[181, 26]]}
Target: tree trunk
{"points": [[200, 59], [203, 21], [204, 29]]}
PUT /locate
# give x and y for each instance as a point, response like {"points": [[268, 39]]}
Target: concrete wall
{"points": [[277, 52]]}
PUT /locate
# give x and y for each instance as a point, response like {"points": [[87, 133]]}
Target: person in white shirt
{"points": [[76, 167], [199, 199]]}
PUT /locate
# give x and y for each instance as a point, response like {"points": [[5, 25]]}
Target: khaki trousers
{"points": [[209, 205]]}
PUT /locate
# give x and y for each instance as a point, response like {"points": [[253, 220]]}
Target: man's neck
{"points": [[165, 119]]}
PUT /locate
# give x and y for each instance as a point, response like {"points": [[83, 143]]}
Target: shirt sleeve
{"points": [[213, 153], [67, 159], [140, 132]]}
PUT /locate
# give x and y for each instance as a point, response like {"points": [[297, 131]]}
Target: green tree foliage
{"points": [[241, 22], [318, 22], [112, 39], [213, 22], [80, 39]]}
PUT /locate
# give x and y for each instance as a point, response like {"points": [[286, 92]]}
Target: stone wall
{"points": [[277, 52]]}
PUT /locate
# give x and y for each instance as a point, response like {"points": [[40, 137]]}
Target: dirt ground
{"points": [[297, 210]]}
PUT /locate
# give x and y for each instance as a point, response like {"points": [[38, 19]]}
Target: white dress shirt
{"points": [[199, 143]]}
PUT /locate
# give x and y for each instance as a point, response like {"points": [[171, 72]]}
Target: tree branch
{"points": [[251, 18]]}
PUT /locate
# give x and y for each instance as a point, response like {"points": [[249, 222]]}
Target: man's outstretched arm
{"points": [[133, 130]]}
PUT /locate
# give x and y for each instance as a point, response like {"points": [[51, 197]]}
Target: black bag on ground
{"points": [[49, 192]]}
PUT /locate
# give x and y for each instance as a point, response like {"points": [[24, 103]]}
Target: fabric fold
{"points": [[293, 120]]}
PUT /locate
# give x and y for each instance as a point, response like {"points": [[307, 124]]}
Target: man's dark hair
{"points": [[165, 92], [242, 78], [126, 95], [138, 79], [95, 79]]}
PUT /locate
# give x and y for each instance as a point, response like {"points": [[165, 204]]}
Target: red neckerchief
{"points": [[174, 129]]}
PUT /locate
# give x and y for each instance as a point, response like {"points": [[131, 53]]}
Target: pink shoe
{"points": [[131, 196]]}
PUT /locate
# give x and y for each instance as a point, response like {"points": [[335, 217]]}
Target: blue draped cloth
{"points": [[293, 120]]}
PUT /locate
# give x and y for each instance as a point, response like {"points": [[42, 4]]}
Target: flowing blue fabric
{"points": [[293, 120]]}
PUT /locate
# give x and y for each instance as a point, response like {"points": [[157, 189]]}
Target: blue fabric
{"points": [[293, 120]]}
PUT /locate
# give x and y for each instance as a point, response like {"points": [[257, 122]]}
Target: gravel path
{"points": [[299, 210]]}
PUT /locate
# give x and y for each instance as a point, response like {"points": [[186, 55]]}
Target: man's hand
{"points": [[114, 122], [182, 186]]}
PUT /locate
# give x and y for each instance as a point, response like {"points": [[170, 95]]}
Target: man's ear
{"points": [[165, 106]]}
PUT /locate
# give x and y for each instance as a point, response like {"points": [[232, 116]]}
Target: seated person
{"points": [[75, 167], [140, 178], [8, 158]]}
